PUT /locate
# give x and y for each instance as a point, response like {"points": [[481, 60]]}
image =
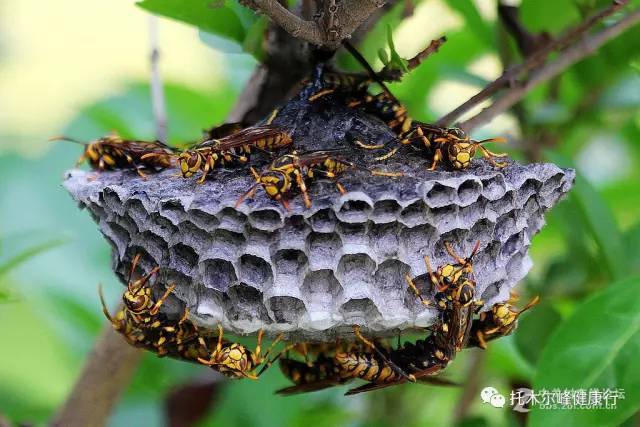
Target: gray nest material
{"points": [[313, 273]]}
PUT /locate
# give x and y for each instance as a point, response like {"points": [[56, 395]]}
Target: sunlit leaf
{"points": [[596, 347], [213, 17], [473, 20]]}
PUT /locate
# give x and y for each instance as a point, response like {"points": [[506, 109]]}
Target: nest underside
{"points": [[314, 273]]}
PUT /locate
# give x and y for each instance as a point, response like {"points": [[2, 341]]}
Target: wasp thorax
{"points": [[189, 163], [460, 154], [465, 292], [274, 183], [503, 314], [135, 303]]}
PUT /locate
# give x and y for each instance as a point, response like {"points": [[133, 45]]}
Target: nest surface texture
{"points": [[313, 273]]}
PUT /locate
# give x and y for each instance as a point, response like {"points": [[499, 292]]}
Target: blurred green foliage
{"points": [[585, 333]]}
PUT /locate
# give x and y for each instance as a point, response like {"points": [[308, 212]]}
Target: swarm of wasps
{"points": [[310, 366], [290, 171], [316, 366]]}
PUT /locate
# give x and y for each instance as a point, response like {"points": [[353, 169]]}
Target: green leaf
{"points": [[601, 223], [534, 329], [384, 56], [596, 347], [217, 18], [474, 21], [254, 41], [396, 60], [27, 254]]}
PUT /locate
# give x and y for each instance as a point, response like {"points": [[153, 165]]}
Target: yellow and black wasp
{"points": [[451, 147], [500, 321], [231, 150], [382, 366], [113, 152], [291, 172], [143, 325]]}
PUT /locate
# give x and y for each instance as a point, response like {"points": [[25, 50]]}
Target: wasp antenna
{"points": [[499, 139], [105, 310], [248, 194], [530, 304], [475, 250], [68, 139]]}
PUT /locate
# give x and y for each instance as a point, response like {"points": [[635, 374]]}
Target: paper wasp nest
{"points": [[313, 273]]}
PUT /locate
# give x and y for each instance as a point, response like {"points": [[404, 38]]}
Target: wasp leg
{"points": [[303, 188], [156, 307], [272, 116], [320, 94], [434, 277], [368, 146], [415, 290], [385, 359], [388, 155]]}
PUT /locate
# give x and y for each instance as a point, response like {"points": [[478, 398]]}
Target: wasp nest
{"points": [[313, 273]]}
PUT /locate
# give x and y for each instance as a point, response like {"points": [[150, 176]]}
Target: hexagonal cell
{"points": [[203, 220], [414, 214], [182, 257], [355, 210], [172, 210], [323, 248], [116, 234], [231, 220], [321, 290], [385, 211], [355, 271], [225, 244], [110, 200], [493, 188], [255, 271], [290, 262], [286, 309], [245, 303], [266, 219], [217, 274], [161, 226], [440, 195], [323, 221], [385, 239], [135, 209], [469, 191], [357, 311], [153, 244]]}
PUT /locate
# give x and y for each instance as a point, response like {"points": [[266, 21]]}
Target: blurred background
{"points": [[81, 68]]}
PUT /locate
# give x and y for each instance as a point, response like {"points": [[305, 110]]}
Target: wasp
{"points": [[292, 172], [234, 360], [382, 366], [500, 321], [231, 150], [113, 152], [449, 146]]}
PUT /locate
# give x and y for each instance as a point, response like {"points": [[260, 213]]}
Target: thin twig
{"points": [[106, 374], [157, 90], [532, 62], [570, 56], [471, 385]]}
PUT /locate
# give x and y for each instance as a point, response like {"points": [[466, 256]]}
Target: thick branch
{"points": [[106, 374], [570, 56], [337, 24], [532, 62]]}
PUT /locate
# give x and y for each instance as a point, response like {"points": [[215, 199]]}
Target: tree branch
{"points": [[570, 56], [157, 90], [338, 21], [532, 62], [106, 374]]}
